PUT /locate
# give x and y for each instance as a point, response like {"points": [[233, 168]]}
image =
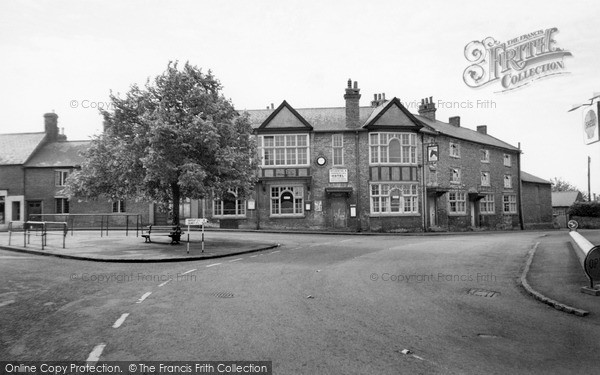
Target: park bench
{"points": [[172, 231]]}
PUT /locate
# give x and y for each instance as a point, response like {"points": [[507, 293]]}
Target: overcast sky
{"points": [[66, 56]]}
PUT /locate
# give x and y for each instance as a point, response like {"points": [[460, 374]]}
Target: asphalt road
{"points": [[319, 304]]}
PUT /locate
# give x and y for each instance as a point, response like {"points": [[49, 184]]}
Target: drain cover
{"points": [[223, 294], [483, 293]]}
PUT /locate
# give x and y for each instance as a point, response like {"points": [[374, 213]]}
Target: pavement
{"points": [[556, 274], [122, 248]]}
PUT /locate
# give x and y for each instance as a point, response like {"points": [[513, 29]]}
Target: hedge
{"points": [[589, 209]]}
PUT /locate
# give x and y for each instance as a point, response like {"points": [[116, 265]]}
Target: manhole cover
{"points": [[483, 293], [223, 294]]}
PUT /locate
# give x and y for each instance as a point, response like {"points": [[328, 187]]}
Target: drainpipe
{"points": [[423, 192], [519, 186], [358, 208]]}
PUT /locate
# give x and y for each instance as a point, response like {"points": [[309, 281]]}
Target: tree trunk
{"points": [[176, 198]]}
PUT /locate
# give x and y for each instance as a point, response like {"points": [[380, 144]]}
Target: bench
{"points": [[172, 231]]}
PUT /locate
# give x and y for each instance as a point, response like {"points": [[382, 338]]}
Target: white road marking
{"points": [[195, 269], [214, 264], [120, 320], [349, 239], [5, 303], [144, 297], [235, 260], [165, 283], [96, 353], [253, 256], [276, 251]]}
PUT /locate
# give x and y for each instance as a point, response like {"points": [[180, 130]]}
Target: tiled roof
{"points": [[334, 119], [565, 198], [526, 177], [59, 154], [17, 148]]}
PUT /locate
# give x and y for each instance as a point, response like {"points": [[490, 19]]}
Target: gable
{"points": [[393, 116], [285, 118]]}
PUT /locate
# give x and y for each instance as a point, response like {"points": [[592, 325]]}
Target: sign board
{"points": [[591, 264], [196, 221], [591, 132], [572, 224], [433, 153], [338, 175]]}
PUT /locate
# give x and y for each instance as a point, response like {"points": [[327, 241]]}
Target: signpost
{"points": [[195, 221]]}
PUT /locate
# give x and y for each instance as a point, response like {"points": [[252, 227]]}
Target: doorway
{"points": [[339, 209], [34, 211]]}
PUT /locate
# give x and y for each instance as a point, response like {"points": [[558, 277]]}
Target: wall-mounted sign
{"points": [[338, 175], [433, 153], [321, 161], [251, 204], [590, 123]]}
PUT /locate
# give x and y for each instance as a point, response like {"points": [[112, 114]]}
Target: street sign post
{"points": [[195, 222]]}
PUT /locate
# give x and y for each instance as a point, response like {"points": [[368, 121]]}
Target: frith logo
{"points": [[515, 63]]}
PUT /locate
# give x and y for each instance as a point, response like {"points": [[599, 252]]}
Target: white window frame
{"points": [[508, 181], [219, 206], [455, 176], [297, 192], [459, 198], [64, 203], [379, 146], [509, 203], [485, 178], [118, 206], [487, 205], [283, 147], [385, 197], [60, 176], [454, 150], [337, 146], [485, 155], [507, 160]]}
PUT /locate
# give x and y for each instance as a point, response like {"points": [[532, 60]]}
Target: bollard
{"points": [[589, 257]]}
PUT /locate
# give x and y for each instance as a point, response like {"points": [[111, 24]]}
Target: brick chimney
{"points": [[352, 97], [427, 108], [51, 126], [482, 129], [378, 99], [454, 121]]}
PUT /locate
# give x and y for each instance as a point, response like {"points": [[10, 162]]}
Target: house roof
{"points": [[565, 198], [59, 154], [334, 119], [17, 148], [526, 177]]}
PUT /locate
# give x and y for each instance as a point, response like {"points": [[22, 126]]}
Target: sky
{"points": [[67, 56]]}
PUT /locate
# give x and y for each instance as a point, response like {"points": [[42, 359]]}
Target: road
{"points": [[319, 304]]}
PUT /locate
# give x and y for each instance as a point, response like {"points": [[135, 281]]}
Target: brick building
{"points": [[376, 168]]}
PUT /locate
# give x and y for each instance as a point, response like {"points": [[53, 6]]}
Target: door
{"points": [[474, 203], [34, 211], [338, 211], [431, 204]]}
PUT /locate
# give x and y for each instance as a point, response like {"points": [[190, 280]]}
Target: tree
{"points": [[176, 137], [558, 184]]}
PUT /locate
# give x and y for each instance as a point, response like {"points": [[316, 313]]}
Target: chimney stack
{"points": [[51, 126], [378, 99], [427, 108], [454, 121], [482, 129], [352, 97]]}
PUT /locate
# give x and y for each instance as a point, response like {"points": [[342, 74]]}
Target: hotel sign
{"points": [[338, 175], [590, 124]]}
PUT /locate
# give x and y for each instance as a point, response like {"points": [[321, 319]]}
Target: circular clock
{"points": [[321, 161]]}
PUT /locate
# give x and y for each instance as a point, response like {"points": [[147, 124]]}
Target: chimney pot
{"points": [[383, 95], [482, 129], [355, 85], [272, 106], [349, 83]]}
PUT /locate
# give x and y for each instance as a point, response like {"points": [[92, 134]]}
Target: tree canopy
{"points": [[176, 137], [559, 184]]}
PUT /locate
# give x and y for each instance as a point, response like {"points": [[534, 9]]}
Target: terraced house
{"points": [[376, 168]]}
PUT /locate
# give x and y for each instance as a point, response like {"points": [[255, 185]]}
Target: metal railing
{"points": [[105, 221], [39, 229]]}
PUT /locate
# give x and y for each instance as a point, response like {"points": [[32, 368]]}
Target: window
{"points": [[287, 200], [485, 156], [118, 206], [455, 175], [60, 176], [507, 160], [454, 150], [507, 181], [2, 210], [485, 178], [509, 203], [457, 202], [229, 205], [337, 143], [284, 149], [487, 204], [394, 199], [62, 205], [393, 148]]}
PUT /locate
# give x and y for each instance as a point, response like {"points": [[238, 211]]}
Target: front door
{"points": [[431, 204], [34, 211], [474, 212], [338, 211]]}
